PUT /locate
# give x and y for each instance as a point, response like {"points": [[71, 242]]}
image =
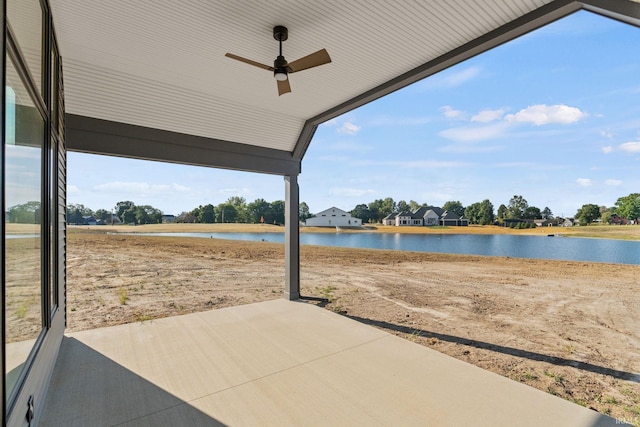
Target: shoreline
{"points": [[615, 232]]}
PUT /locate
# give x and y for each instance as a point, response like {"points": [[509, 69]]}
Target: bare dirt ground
{"points": [[568, 328]]}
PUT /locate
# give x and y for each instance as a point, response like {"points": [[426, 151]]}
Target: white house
{"points": [[333, 217], [425, 215]]}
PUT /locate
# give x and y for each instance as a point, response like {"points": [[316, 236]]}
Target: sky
{"points": [[553, 116]]}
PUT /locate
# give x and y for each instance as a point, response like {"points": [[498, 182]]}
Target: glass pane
{"points": [[23, 194], [25, 19]]}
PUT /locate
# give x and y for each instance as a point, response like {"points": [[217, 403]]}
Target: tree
{"points": [[186, 217], [226, 213], [455, 207], [103, 215], [26, 213], [629, 206], [480, 213], [277, 212], [403, 206], [240, 204], [121, 207], [153, 215], [587, 214], [257, 209], [546, 213], [414, 206], [363, 212], [129, 216], [195, 214], [517, 207], [303, 211], [532, 213], [74, 216], [141, 215], [472, 213], [84, 211], [381, 208], [502, 212], [207, 214]]}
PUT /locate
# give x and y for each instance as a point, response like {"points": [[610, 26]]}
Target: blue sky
{"points": [[553, 116]]}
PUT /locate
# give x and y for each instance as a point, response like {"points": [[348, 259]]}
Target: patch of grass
{"points": [[527, 376], [21, 312], [123, 295], [578, 402], [570, 348], [611, 401], [635, 410], [558, 378], [141, 317], [327, 292], [417, 333]]}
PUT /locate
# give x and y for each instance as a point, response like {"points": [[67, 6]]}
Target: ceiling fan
{"points": [[281, 68]]}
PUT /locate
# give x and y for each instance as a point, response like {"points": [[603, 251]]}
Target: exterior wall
{"points": [[44, 99], [403, 220], [431, 218], [333, 217]]}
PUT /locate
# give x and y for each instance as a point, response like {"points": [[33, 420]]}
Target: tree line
{"points": [[236, 209], [517, 209]]}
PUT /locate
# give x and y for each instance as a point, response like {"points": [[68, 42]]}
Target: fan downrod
{"points": [[280, 33]]}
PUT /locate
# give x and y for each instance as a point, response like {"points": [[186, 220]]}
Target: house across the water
{"points": [[425, 216], [333, 217]]}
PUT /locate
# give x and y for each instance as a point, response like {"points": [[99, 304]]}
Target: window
{"points": [[24, 140], [25, 19]]}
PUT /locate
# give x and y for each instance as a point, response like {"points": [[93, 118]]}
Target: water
{"points": [[541, 247]]}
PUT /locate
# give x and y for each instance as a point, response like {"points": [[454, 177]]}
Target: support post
{"points": [[292, 238]]}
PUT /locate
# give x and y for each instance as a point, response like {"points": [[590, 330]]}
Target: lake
{"points": [[541, 247]]}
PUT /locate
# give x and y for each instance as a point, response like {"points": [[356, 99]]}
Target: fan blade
{"points": [[283, 87], [248, 61], [318, 58]]}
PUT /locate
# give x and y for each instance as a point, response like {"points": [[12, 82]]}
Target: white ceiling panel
{"points": [[162, 64]]}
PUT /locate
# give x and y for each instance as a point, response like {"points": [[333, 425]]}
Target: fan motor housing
{"points": [[280, 33]]}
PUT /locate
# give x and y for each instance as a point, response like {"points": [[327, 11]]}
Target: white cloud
{"points": [[448, 80], [608, 149], [349, 128], [451, 113], [606, 134], [542, 114], [613, 182], [585, 182], [631, 147], [474, 133], [485, 116]]}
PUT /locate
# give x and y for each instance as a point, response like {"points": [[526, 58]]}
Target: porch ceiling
{"points": [[161, 64]]}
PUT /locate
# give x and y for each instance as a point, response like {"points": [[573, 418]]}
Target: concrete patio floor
{"points": [[281, 363]]}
